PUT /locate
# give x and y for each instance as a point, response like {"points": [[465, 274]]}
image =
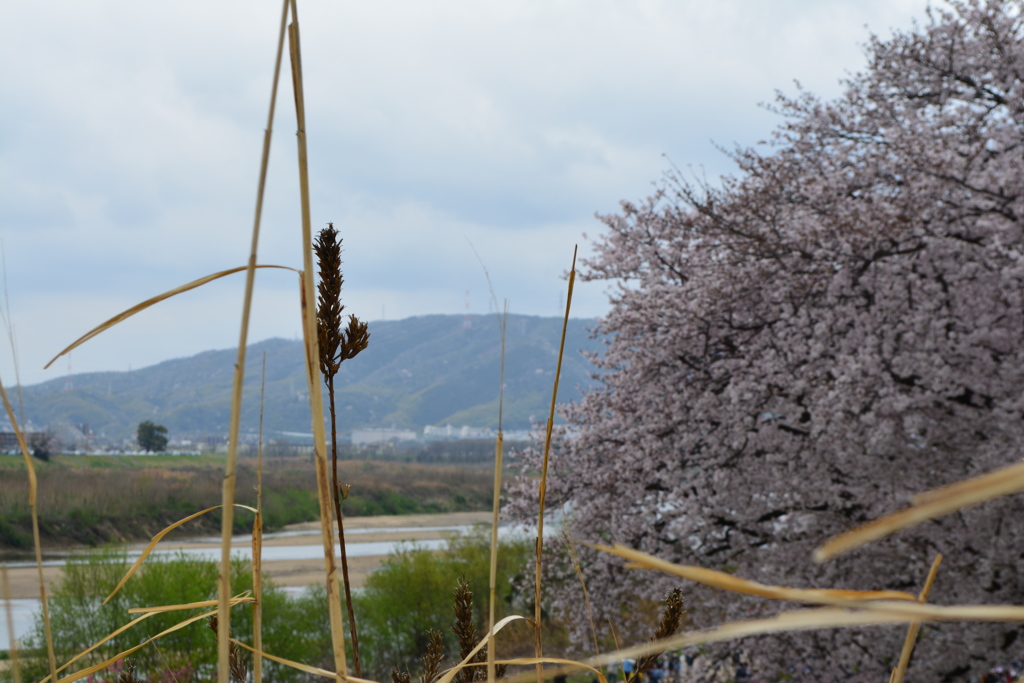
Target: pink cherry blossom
{"points": [[800, 350]]}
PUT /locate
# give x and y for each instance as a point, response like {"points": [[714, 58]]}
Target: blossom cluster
{"points": [[801, 349]]}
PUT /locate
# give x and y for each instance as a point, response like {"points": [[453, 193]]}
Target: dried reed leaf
{"points": [[101, 641], [306, 668], [138, 308], [240, 599], [121, 655], [911, 611], [156, 539], [115, 634], [908, 643], [452, 672], [866, 614], [928, 505], [723, 581], [1013, 474]]}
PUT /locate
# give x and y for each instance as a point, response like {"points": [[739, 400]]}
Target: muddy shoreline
{"points": [[24, 581]]}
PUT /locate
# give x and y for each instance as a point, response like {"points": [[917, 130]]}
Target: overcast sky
{"points": [[130, 136]]}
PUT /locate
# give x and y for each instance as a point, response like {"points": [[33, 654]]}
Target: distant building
{"points": [[9, 442], [448, 432], [518, 435], [72, 437], [451, 433], [368, 437]]}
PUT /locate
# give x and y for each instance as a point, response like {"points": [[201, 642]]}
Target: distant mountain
{"points": [[427, 370]]}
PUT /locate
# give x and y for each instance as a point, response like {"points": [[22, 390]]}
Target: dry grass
{"points": [[91, 505]]}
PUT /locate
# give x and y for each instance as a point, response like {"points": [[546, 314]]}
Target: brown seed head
{"points": [[465, 631], [127, 674], [672, 615], [336, 344], [327, 247], [238, 671], [432, 660]]}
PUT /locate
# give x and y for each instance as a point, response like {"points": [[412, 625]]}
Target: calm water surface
{"points": [[24, 609]]}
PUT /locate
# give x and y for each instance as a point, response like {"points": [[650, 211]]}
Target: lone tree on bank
{"points": [[152, 437], [799, 351]]}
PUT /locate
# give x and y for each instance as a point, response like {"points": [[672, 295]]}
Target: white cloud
{"points": [[132, 137]]}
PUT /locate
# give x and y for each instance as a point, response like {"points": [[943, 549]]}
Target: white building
{"points": [[367, 437]]}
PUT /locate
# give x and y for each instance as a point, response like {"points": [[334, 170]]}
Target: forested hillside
{"points": [[419, 371]]}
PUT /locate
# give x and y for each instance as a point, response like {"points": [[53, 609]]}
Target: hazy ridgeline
{"points": [[425, 370]]}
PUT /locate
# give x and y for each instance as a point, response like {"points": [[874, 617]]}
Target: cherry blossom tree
{"points": [[802, 348]]}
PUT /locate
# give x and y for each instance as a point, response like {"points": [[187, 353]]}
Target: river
{"points": [[293, 557]]}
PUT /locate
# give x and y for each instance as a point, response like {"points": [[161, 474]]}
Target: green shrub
{"points": [[412, 593], [12, 536], [294, 628]]}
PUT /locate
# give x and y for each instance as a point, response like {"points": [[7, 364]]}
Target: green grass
{"points": [[17, 462]]}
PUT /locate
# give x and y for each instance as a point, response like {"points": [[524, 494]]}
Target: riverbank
{"points": [[98, 500], [380, 530]]}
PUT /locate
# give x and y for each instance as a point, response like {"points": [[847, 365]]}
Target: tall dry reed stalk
{"points": [[538, 644], [228, 509], [337, 345], [309, 329], [499, 454], [257, 544], [33, 492], [908, 643]]}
